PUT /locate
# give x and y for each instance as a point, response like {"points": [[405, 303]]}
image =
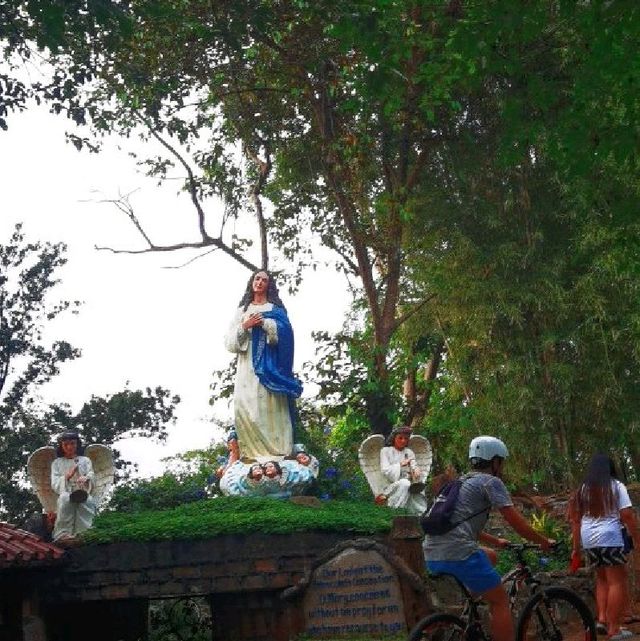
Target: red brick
{"points": [[265, 565], [115, 592], [255, 582], [186, 572], [171, 588], [280, 580]]}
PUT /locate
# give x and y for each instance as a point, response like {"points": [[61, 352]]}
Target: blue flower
{"points": [[331, 473], [346, 485]]}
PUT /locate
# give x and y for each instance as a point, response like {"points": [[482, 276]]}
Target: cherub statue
{"points": [[69, 483], [301, 456], [396, 472]]}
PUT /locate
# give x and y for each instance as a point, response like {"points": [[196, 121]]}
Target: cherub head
{"points": [[300, 454], [272, 469], [255, 472], [303, 458]]}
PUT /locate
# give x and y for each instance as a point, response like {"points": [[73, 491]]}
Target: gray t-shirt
{"points": [[479, 491]]}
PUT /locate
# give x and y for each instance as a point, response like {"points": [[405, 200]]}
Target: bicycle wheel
{"points": [[556, 614], [439, 627]]}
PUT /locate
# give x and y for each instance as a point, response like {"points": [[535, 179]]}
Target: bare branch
{"points": [[124, 205], [193, 185], [216, 243], [191, 260]]}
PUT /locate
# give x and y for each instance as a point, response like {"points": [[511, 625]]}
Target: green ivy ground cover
{"points": [[235, 515]]}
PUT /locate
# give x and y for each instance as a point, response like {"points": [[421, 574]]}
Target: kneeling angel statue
{"points": [[71, 480], [397, 472]]}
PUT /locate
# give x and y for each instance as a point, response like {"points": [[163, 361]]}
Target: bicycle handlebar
{"points": [[519, 548]]}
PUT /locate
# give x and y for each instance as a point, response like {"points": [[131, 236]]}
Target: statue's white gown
{"points": [[398, 477], [71, 518], [262, 418]]}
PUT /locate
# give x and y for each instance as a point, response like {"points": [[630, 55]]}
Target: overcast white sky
{"points": [[139, 322]]}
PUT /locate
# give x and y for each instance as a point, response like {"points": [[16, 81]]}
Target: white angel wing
{"points": [[424, 454], [39, 472], [102, 460], [369, 457]]}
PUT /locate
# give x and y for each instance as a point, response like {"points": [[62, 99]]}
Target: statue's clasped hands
{"points": [[252, 321]]}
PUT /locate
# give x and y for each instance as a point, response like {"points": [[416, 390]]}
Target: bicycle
{"points": [[551, 613]]}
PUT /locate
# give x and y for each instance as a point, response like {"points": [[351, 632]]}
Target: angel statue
{"points": [[396, 472], [69, 483]]}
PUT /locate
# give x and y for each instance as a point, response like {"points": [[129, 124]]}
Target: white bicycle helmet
{"points": [[486, 447]]}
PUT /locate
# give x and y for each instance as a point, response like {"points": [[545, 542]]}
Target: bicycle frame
{"points": [[520, 575]]}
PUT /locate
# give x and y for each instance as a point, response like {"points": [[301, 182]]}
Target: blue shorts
{"points": [[475, 572]]}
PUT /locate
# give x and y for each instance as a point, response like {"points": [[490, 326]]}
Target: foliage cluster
{"points": [[179, 620], [161, 492], [190, 477], [239, 515]]}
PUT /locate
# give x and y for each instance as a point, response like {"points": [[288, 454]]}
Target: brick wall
{"points": [[225, 564]]}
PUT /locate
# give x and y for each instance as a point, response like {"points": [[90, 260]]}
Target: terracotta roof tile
{"points": [[18, 547]]}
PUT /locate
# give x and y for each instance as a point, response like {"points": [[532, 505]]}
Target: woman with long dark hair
{"points": [[265, 388], [597, 511]]}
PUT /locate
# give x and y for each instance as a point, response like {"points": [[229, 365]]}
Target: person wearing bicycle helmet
{"points": [[458, 551]]}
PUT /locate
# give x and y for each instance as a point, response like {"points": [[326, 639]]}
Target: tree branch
{"points": [[217, 243], [407, 315], [211, 242], [264, 169], [193, 185]]}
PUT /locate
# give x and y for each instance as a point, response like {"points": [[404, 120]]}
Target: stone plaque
{"points": [[356, 592]]}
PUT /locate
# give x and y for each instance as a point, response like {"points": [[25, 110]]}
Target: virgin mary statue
{"points": [[265, 389]]}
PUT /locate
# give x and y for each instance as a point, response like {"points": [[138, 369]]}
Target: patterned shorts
{"points": [[601, 557]]}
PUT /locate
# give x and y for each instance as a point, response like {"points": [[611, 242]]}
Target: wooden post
{"points": [[406, 541]]}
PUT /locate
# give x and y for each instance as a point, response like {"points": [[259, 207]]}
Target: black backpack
{"points": [[437, 520]]}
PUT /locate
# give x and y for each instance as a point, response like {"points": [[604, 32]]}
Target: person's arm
{"points": [[630, 521], [495, 541], [515, 519], [575, 519]]}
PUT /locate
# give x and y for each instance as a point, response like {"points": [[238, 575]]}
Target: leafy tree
{"points": [[27, 362], [331, 110]]}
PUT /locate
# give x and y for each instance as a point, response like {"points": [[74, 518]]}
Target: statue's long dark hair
{"points": [[272, 291]]}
